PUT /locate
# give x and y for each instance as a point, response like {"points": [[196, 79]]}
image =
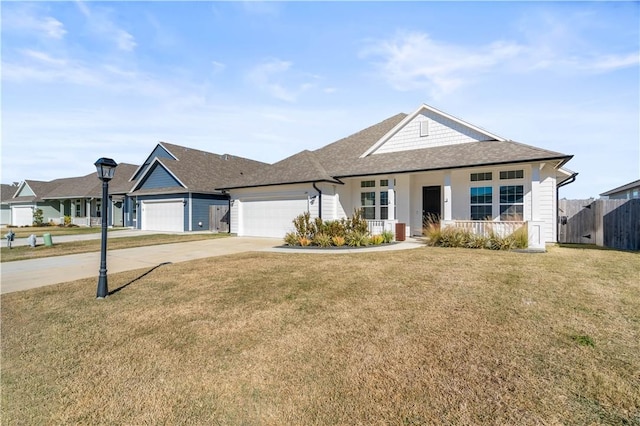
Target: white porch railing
{"points": [[377, 227], [484, 227]]}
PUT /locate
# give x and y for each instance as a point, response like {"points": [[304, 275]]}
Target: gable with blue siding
{"points": [[159, 177], [25, 191], [159, 152]]}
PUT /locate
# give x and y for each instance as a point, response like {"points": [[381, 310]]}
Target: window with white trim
{"points": [[368, 203], [368, 184], [512, 203], [476, 177], [384, 205], [481, 203], [512, 174]]}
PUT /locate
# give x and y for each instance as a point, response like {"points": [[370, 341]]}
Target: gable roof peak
{"points": [[414, 114]]}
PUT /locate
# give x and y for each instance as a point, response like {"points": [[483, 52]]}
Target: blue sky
{"points": [[264, 80]]}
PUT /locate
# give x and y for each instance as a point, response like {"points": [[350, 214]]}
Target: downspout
{"points": [[320, 199], [566, 182]]}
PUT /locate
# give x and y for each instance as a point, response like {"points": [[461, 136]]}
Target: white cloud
{"points": [[268, 77], [414, 60], [29, 20], [218, 67], [614, 62], [99, 21]]}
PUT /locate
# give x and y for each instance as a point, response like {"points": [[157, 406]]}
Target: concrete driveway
{"points": [[27, 274]]}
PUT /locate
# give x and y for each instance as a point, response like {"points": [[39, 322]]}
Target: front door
{"points": [[431, 204]]}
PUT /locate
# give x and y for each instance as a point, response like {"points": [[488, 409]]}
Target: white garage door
{"points": [[271, 218], [22, 216], [166, 215]]}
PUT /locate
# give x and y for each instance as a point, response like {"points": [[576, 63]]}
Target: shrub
{"points": [[38, 217], [304, 241], [357, 239], [334, 228], [291, 239], [304, 227], [357, 223], [338, 240], [322, 240], [376, 240], [387, 237], [455, 237], [67, 220]]}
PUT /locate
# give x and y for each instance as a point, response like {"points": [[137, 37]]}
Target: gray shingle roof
{"points": [[7, 192], [630, 185], [77, 187], [202, 171], [342, 158]]}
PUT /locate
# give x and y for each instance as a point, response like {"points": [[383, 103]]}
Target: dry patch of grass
{"points": [[24, 232], [76, 247], [427, 336]]}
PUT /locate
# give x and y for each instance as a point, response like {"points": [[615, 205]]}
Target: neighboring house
{"points": [[77, 197], [174, 189], [624, 192], [404, 170], [6, 193]]}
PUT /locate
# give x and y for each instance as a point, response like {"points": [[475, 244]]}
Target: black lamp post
{"points": [[106, 169]]}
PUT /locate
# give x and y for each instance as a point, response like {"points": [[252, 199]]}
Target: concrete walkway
{"points": [[27, 274]]}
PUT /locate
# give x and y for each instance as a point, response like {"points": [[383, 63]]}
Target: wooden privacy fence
{"points": [[608, 223]]}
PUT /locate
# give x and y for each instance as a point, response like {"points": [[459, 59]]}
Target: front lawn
{"points": [[424, 336], [76, 247]]}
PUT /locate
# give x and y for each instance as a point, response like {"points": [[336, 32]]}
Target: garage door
{"points": [[271, 218], [166, 215], [22, 216]]}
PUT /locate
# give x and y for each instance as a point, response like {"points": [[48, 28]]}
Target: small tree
{"points": [[38, 217]]}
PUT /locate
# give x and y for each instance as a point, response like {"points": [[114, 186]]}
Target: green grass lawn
{"points": [[425, 336], [75, 247]]}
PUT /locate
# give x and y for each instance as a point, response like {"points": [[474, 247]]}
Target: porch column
{"points": [[391, 197], [87, 206], [447, 196], [534, 214]]}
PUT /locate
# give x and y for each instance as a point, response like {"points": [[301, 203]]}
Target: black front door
{"points": [[431, 204]]}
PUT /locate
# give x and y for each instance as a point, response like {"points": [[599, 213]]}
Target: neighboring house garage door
{"points": [[22, 216], [166, 215], [271, 218]]}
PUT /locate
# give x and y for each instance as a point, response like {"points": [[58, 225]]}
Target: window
{"points": [[368, 203], [384, 182], [512, 203], [481, 199], [512, 174], [476, 177], [368, 184], [78, 208], [98, 209], [384, 203]]}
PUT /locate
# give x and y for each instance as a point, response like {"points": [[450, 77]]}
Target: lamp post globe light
{"points": [[106, 168]]}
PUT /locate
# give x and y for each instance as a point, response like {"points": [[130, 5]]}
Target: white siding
{"points": [[442, 131], [548, 206]]}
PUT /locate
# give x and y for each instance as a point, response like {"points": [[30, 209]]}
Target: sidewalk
{"points": [[85, 237], [28, 274]]}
